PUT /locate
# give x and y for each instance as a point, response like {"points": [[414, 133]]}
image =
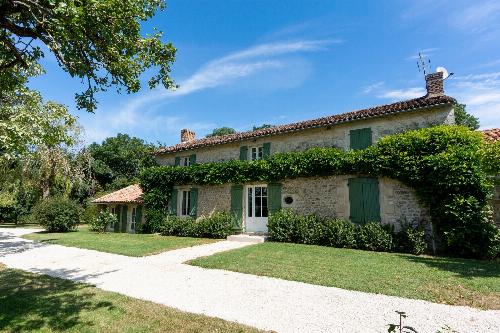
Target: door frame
{"points": [[256, 220]]}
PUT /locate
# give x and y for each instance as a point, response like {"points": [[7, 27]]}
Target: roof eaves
{"points": [[172, 149]]}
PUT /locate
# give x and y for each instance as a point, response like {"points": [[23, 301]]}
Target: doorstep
{"points": [[248, 238]]}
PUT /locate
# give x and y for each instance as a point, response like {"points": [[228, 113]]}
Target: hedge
{"points": [[448, 167]]}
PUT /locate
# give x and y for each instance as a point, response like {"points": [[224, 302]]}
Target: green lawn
{"points": [[31, 302], [443, 280], [135, 245]]}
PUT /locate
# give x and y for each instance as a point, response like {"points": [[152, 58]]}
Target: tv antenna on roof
{"points": [[422, 63]]}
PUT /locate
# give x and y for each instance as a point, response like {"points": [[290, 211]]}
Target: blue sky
{"points": [[243, 63]]}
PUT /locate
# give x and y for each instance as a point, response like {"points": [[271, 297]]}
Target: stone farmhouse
{"points": [[359, 199]]}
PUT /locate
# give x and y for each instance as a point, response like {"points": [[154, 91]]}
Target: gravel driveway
{"points": [[262, 302]]}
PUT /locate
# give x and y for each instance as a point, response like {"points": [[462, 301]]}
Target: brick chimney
{"points": [[187, 135], [434, 84]]}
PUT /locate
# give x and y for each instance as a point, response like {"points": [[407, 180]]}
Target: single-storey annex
{"points": [[127, 205], [359, 199]]}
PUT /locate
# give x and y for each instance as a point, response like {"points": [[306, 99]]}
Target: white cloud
{"points": [[476, 17], [136, 112], [373, 87], [401, 94], [481, 94]]}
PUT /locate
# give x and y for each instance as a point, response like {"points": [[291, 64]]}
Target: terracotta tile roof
{"points": [[129, 194], [412, 104], [492, 134]]}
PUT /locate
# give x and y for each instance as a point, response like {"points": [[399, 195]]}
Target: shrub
{"points": [[89, 214], [155, 220], [57, 214], [103, 219], [410, 239], [340, 233], [373, 237], [216, 225], [281, 226], [177, 226]]}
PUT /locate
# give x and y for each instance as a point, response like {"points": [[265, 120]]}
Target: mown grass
{"points": [[31, 302], [135, 245], [443, 280]]}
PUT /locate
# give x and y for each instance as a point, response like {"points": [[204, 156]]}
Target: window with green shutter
{"points": [[192, 159], [364, 200], [124, 218], [267, 149], [274, 197], [172, 202], [243, 153], [177, 161], [193, 202], [138, 215], [118, 213], [360, 138], [237, 205]]}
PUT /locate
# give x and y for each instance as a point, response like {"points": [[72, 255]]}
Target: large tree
{"points": [[118, 161], [27, 121], [221, 131], [98, 41], [462, 117]]}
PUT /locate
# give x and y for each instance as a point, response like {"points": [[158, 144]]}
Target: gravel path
{"points": [[266, 303]]}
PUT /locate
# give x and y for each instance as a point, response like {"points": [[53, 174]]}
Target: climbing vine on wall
{"points": [[446, 165]]}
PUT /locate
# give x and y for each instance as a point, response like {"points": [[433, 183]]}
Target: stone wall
{"points": [[327, 197], [214, 198], [331, 136]]}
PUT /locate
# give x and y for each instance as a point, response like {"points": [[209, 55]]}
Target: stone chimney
{"points": [[187, 135], [434, 84]]}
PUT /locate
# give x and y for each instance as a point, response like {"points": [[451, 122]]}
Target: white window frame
{"points": [[183, 205], [251, 204], [185, 161], [256, 153]]}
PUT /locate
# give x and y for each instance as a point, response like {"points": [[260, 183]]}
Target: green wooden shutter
{"points": [[266, 147], [274, 197], [118, 212], [192, 159], [193, 203], [237, 205], [371, 200], [243, 153], [177, 160], [360, 138], [124, 218], [356, 214], [138, 215], [172, 209], [364, 200]]}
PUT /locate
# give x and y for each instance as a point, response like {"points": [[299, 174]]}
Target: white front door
{"points": [[256, 208]]}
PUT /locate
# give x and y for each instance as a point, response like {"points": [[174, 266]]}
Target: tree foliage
{"points": [[27, 121], [463, 118], [221, 131], [98, 41], [256, 128], [118, 161]]}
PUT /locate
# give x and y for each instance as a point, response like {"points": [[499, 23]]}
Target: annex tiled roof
{"points": [[492, 134], [412, 104], [129, 194]]}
